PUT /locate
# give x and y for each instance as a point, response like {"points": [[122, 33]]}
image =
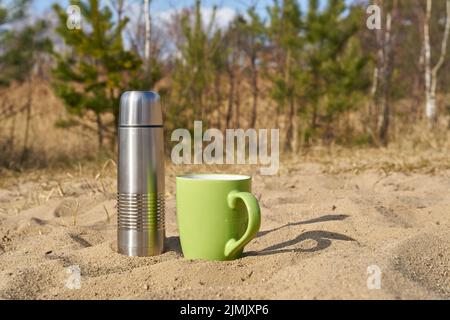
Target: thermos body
{"points": [[140, 199]]}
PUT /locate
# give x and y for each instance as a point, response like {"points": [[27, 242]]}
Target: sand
{"points": [[321, 231]]}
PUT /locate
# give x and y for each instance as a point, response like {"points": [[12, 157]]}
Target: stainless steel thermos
{"points": [[140, 199]]}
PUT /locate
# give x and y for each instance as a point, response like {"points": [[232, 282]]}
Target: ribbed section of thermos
{"points": [[140, 198]]}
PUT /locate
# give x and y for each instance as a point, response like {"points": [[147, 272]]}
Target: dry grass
{"points": [[72, 152], [47, 143], [99, 177], [381, 160]]}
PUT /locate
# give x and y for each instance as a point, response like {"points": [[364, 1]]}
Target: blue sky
{"points": [[40, 6], [164, 5], [162, 10]]}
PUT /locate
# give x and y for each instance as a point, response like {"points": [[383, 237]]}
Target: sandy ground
{"points": [[320, 232]]}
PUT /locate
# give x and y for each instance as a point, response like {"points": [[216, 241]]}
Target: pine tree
{"points": [[12, 11], [336, 75], [254, 36], [96, 69], [19, 54], [319, 64], [195, 68], [20, 51], [284, 32], [233, 46], [16, 53]]}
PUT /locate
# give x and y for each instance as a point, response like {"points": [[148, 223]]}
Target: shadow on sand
{"points": [[323, 239], [173, 244]]}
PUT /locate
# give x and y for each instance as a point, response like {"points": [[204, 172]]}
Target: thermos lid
{"points": [[140, 108]]}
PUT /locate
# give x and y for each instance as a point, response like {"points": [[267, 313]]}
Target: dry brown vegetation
{"points": [[50, 145], [58, 155]]}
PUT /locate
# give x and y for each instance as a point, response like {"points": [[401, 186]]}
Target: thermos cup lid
{"points": [[140, 108]]}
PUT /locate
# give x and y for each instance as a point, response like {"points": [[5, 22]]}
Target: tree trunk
{"points": [[255, 92], [100, 133], [314, 117], [379, 76], [292, 130], [27, 120], [217, 84], [237, 95], [386, 76], [230, 98], [430, 106], [314, 106], [290, 120], [147, 49], [115, 133], [384, 119], [12, 135], [373, 91], [432, 73]]}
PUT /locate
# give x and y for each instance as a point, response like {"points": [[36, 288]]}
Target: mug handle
{"points": [[254, 220]]}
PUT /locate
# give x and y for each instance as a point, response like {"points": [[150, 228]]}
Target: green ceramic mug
{"points": [[217, 215]]}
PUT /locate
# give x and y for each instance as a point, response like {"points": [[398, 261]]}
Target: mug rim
{"points": [[213, 177]]}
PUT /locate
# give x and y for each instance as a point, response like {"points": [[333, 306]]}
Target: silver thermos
{"points": [[140, 199]]}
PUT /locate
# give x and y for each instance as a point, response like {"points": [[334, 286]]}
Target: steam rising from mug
{"points": [[140, 199]]}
